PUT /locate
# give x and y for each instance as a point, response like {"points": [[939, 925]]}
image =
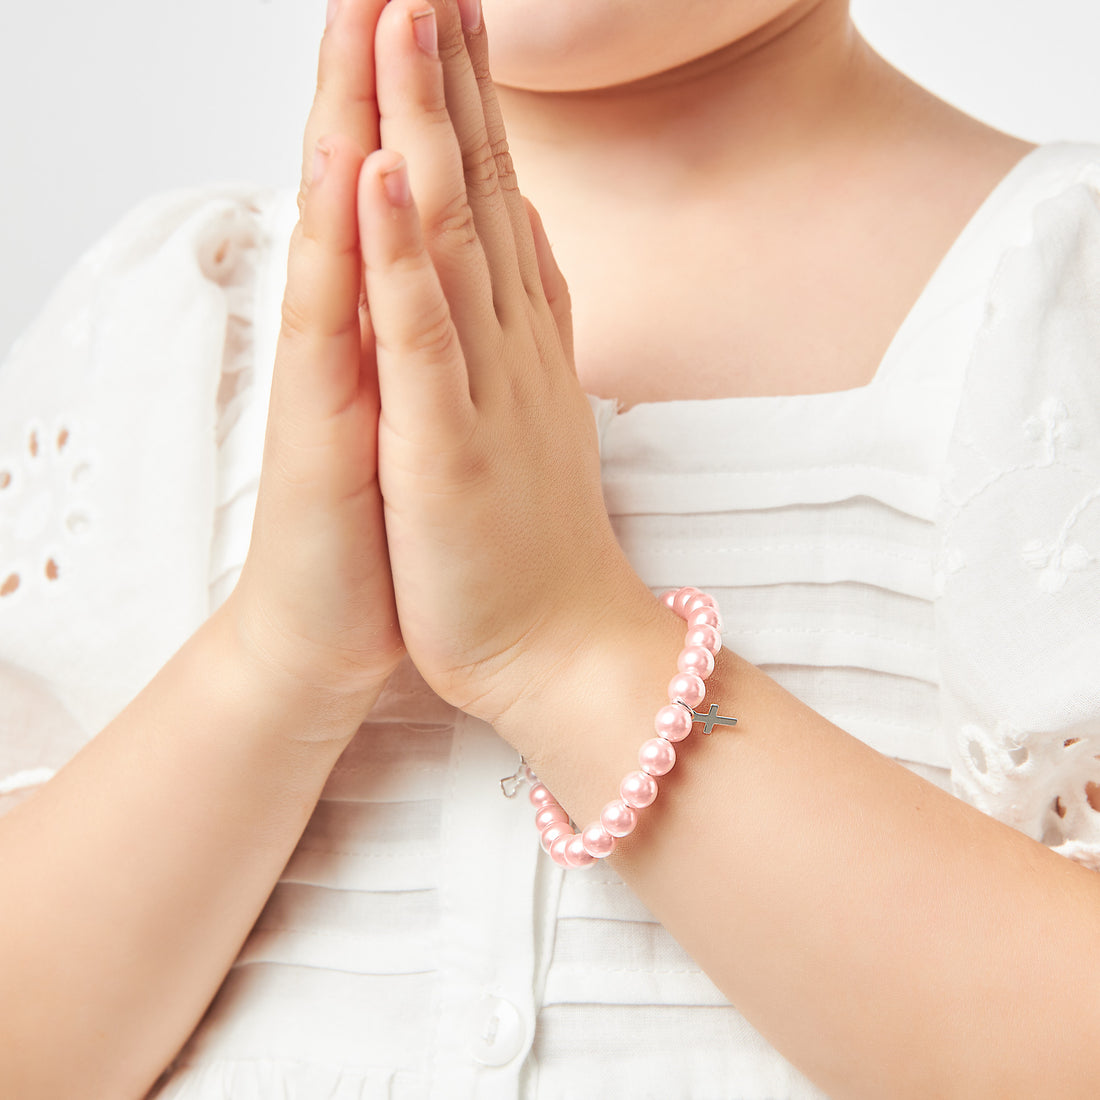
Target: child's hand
{"points": [[315, 599], [502, 552]]}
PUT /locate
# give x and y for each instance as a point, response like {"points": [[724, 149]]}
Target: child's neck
{"points": [[695, 214], [758, 102]]}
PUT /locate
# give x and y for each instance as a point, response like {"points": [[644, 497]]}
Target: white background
{"points": [[104, 102]]}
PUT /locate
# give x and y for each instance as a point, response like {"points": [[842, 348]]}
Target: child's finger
{"points": [[492, 127], [552, 282], [345, 100], [463, 178], [321, 340], [422, 375], [481, 158], [415, 120]]}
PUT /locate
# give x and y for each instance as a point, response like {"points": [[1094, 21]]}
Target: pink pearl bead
{"points": [[548, 815], [668, 597], [618, 818], [696, 659], [575, 855], [598, 841], [638, 790], [687, 686], [557, 850], [705, 616], [540, 796], [553, 832], [706, 636], [657, 756], [672, 722], [683, 597], [703, 599]]}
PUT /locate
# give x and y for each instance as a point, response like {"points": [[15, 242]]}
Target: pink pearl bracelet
{"points": [[657, 756]]}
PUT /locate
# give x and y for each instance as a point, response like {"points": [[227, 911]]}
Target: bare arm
{"points": [[889, 939], [132, 878]]}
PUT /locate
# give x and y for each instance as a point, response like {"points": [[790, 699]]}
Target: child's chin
{"points": [[580, 45], [563, 62], [548, 45]]}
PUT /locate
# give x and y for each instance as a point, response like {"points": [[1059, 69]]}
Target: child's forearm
{"points": [[131, 879], [891, 940]]}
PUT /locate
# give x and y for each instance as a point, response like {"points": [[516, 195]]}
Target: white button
{"points": [[497, 1031]]}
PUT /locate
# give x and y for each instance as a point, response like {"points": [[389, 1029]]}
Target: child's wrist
{"points": [[308, 704], [616, 657]]}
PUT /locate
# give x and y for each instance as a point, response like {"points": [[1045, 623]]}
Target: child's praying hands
{"points": [[314, 602], [501, 548], [443, 385]]}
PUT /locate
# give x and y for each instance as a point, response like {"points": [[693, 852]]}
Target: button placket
{"points": [[485, 1001]]}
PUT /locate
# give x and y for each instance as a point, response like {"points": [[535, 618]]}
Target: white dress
{"points": [[918, 559]]}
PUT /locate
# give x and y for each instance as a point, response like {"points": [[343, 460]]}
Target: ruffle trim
{"points": [[233, 254], [25, 780], [266, 1079], [227, 255]]}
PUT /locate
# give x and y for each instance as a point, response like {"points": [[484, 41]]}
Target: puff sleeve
{"points": [[1018, 611], [111, 408]]}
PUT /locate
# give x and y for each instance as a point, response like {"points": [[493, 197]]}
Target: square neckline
{"points": [[958, 260]]}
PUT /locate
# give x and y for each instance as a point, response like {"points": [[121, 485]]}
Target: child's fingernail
{"points": [[425, 31], [396, 182], [321, 156], [332, 7], [470, 11]]}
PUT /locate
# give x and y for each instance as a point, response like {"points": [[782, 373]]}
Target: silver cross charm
{"points": [[711, 719]]}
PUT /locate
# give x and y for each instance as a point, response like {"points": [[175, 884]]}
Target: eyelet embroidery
{"points": [[42, 513], [1045, 786]]}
